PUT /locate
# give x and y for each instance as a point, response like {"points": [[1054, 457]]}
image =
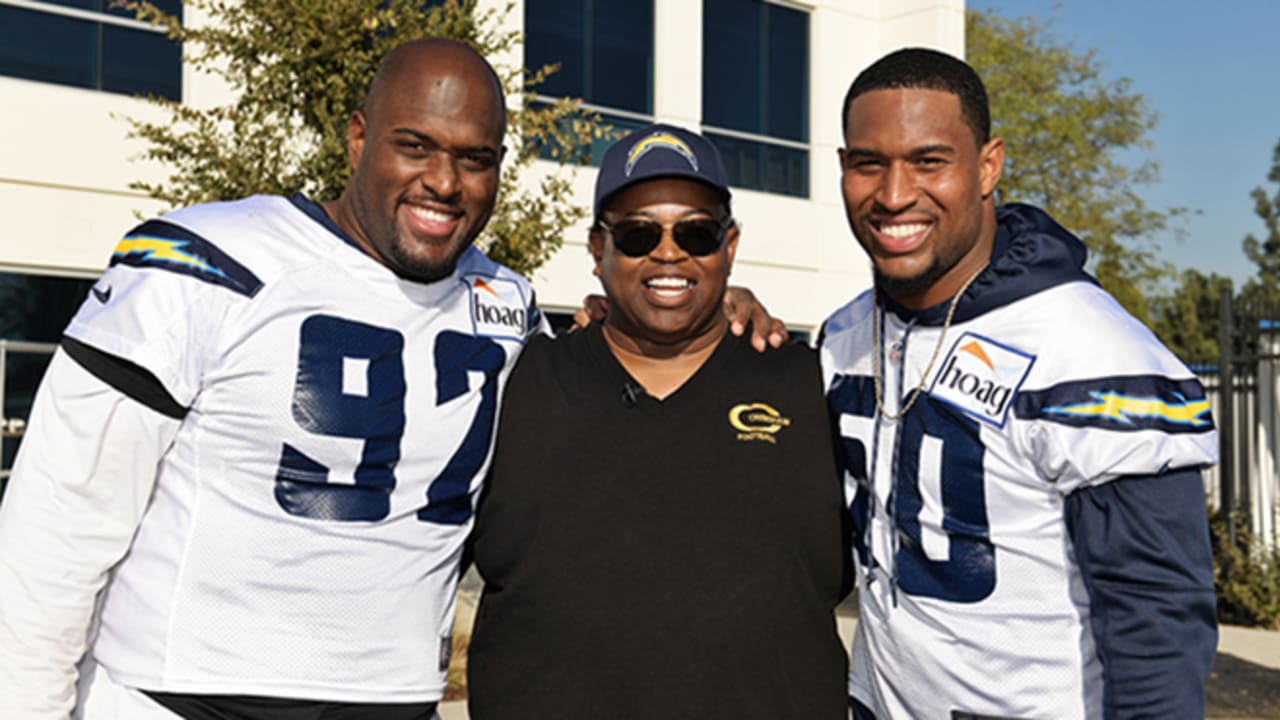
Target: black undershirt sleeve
{"points": [[192, 706], [130, 379]]}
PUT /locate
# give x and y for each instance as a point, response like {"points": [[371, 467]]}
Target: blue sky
{"points": [[1211, 71]]}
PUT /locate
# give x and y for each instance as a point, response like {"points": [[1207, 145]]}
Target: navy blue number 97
{"points": [[372, 408], [448, 496]]}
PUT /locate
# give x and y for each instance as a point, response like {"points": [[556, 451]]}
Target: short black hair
{"points": [[925, 69]]}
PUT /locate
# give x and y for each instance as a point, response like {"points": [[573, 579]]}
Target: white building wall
{"points": [[65, 164]]}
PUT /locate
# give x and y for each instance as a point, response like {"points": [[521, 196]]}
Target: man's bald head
{"points": [[405, 66], [425, 153]]}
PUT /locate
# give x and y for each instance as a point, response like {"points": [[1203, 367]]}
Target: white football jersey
{"points": [[970, 600], [304, 534]]}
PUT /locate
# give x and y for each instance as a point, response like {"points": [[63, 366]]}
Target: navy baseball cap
{"points": [[658, 151]]}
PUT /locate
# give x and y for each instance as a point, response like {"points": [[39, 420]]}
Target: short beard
{"points": [[411, 268], [910, 286]]}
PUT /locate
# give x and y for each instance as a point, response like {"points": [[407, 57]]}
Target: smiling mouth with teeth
{"points": [[901, 230], [669, 284], [431, 215]]}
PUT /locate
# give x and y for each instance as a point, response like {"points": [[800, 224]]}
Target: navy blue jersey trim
{"points": [[163, 245], [313, 210], [132, 380], [1133, 402]]}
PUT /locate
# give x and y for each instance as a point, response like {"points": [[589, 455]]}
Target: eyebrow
{"points": [[914, 152], [932, 149], [432, 141]]}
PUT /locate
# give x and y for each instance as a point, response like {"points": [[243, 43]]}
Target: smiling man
{"points": [[662, 533], [1022, 456], [258, 446]]}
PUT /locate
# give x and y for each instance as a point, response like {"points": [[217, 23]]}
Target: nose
{"points": [[667, 250], [439, 176], [897, 188]]}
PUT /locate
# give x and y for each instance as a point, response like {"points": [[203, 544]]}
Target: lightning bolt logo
{"points": [[1122, 408], [172, 248], [157, 249], [659, 140]]}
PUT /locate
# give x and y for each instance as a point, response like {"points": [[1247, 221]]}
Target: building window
{"points": [[33, 311], [90, 44], [755, 92], [605, 52]]}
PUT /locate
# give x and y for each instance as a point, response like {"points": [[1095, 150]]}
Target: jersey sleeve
{"points": [[1106, 399], [1142, 545], [81, 481], [160, 303]]}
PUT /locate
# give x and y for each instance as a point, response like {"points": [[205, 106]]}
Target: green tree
{"points": [[298, 69], [1264, 290], [1074, 144], [1187, 318]]}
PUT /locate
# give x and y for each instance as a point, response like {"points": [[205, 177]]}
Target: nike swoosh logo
{"points": [[102, 295]]}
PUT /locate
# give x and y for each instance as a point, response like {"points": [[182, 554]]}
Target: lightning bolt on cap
{"points": [[657, 151]]}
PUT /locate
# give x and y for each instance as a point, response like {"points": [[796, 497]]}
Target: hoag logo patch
{"points": [[981, 377], [497, 307]]}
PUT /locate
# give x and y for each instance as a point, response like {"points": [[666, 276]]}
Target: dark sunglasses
{"points": [[696, 236]]}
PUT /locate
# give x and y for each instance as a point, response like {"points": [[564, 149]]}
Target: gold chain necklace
{"points": [[878, 349]]}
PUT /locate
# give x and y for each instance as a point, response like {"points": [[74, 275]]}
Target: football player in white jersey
{"points": [[1022, 456], [258, 445]]}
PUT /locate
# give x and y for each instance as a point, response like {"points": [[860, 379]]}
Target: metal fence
{"points": [[1244, 392], [1246, 476]]}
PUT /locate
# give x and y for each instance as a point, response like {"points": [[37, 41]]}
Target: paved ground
{"points": [[1244, 684]]}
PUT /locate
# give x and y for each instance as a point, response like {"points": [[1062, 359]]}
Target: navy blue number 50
{"points": [[939, 453], [351, 384]]}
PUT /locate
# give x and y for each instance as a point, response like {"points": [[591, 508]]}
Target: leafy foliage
{"points": [[1246, 579], [297, 71], [1265, 252], [1074, 144], [1187, 319]]}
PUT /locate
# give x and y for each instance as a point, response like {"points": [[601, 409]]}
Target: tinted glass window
{"points": [[591, 155], [755, 68], [33, 309], [604, 48], [758, 165], [787, 73], [136, 61], [731, 62], [755, 80], [27, 40], [48, 46], [554, 34]]}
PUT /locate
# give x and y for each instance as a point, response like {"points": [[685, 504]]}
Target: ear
{"points": [[731, 247], [990, 165], [595, 245], [356, 128]]}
